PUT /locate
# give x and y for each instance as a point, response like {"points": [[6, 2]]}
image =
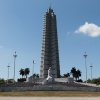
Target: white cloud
{"points": [[89, 29]]}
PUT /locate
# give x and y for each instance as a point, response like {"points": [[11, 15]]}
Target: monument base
{"points": [[49, 81]]}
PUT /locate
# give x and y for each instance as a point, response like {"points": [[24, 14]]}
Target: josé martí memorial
{"points": [[50, 68]]}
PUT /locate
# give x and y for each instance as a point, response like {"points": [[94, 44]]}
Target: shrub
{"points": [[21, 79], [80, 80]]}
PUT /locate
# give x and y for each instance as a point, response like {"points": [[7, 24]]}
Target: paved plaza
{"points": [[49, 98]]}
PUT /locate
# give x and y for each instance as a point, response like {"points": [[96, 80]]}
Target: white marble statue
{"points": [[49, 72], [50, 78]]}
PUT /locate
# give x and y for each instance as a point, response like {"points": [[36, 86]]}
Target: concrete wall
{"points": [[50, 88], [69, 80]]}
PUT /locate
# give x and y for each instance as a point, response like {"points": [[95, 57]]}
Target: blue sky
{"points": [[78, 25]]}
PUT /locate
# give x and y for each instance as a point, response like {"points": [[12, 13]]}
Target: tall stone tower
{"points": [[49, 53]]}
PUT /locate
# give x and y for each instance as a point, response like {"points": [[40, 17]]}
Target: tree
{"points": [[73, 71], [67, 75], [21, 72], [78, 74], [35, 75], [2, 81], [94, 81], [26, 72]]}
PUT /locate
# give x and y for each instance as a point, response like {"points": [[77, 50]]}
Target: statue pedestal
{"points": [[49, 79]]}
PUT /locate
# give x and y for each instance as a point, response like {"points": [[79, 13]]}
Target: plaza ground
{"points": [[49, 98]]}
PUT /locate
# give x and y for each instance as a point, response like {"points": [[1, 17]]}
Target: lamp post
{"points": [[91, 71], [85, 55], [14, 65], [8, 71]]}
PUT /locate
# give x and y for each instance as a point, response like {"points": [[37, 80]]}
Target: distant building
{"points": [[50, 52]]}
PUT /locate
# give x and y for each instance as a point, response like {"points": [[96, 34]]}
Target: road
{"points": [[49, 98]]}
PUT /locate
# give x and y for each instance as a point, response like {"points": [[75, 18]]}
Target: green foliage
{"points": [[75, 73], [21, 72], [94, 81], [35, 75], [80, 80], [21, 79], [67, 75], [2, 81], [25, 72]]}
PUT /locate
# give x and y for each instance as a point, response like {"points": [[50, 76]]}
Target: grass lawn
{"points": [[51, 93]]}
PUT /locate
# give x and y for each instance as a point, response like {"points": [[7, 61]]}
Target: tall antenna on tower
{"points": [[50, 5]]}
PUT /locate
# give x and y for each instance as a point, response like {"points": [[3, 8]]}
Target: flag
{"points": [[33, 61]]}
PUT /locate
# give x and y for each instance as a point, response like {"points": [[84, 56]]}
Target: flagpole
{"points": [[33, 71]]}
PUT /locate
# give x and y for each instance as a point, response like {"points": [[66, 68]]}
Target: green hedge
{"points": [[21, 79]]}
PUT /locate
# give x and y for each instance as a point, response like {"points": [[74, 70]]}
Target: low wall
{"points": [[88, 84], [49, 88], [69, 80]]}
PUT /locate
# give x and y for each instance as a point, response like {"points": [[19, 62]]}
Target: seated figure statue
{"points": [[50, 78]]}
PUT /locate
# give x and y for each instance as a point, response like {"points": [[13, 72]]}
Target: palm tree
{"points": [[67, 75], [2, 81], [34, 75], [21, 72], [78, 74], [37, 75], [26, 71], [73, 71]]}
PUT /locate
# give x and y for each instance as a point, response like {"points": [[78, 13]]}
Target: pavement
{"points": [[49, 98]]}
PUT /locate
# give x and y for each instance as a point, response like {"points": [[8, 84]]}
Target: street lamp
{"points": [[85, 55], [8, 71], [14, 65], [91, 71]]}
